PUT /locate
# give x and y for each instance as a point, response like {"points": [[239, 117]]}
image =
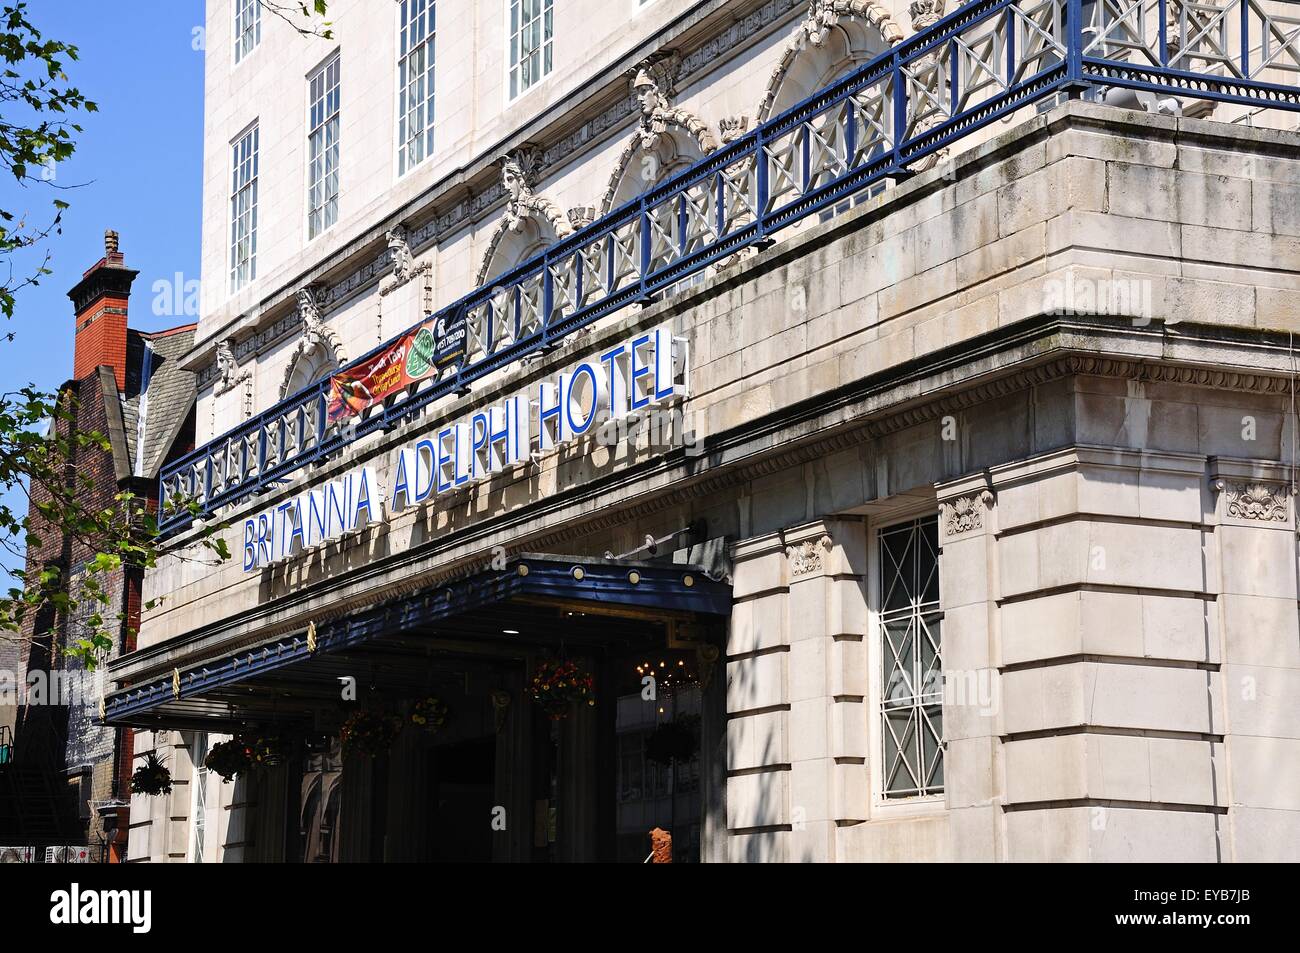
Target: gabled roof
{"points": [[144, 422], [169, 394]]}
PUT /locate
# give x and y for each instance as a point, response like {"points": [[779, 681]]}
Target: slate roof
{"points": [[164, 398]]}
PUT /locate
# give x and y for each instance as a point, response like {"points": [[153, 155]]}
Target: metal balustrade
{"points": [[982, 61]]}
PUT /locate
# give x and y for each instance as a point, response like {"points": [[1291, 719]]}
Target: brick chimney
{"points": [[100, 300]]}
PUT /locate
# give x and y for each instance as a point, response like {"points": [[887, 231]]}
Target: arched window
{"points": [[306, 369], [641, 167], [531, 223], [836, 38]]}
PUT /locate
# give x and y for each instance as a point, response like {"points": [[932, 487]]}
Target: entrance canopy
{"points": [[536, 604]]}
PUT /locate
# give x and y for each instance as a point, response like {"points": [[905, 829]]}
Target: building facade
{"points": [[912, 382], [64, 783]]}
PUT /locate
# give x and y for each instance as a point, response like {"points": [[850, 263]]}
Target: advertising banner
{"points": [[418, 354]]}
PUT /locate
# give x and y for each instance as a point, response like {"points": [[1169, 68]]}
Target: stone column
{"points": [[758, 706], [235, 803], [149, 815], [973, 790], [796, 683], [829, 780], [173, 748], [1112, 725], [1255, 528]]}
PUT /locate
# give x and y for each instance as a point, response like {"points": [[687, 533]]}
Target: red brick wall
{"points": [[110, 754], [101, 339]]}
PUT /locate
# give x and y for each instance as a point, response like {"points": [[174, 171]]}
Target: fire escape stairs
{"points": [[37, 807]]}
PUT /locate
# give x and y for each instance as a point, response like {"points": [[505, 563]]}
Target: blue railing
{"points": [[984, 60]]}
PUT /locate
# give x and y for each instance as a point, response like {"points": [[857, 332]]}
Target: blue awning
{"points": [[535, 603]]}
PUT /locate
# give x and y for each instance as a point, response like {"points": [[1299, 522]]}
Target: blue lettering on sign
{"points": [[647, 369], [576, 428], [640, 370], [424, 489], [317, 518], [444, 462], [298, 529], [363, 504]]}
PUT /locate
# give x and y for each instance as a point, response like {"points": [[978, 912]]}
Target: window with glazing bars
{"points": [[532, 28], [243, 210], [323, 148], [199, 818], [911, 654], [248, 27], [415, 84]]}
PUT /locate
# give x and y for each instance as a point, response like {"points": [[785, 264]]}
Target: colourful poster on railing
{"points": [[418, 354]]}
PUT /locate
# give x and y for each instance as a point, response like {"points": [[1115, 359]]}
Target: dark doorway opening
{"points": [[462, 779]]}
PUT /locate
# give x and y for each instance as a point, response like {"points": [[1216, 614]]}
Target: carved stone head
{"points": [[226, 364], [513, 178], [646, 89], [308, 308], [653, 83]]}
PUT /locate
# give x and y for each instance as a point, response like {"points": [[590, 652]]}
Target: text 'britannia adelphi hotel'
{"points": [[840, 430]]}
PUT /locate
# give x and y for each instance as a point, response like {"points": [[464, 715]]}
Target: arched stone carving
{"points": [[532, 221], [667, 139], [845, 33], [318, 349]]}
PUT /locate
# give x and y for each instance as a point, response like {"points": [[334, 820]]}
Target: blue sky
{"points": [[138, 168]]}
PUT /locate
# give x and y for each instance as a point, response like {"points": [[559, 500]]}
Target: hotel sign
{"points": [[644, 371]]}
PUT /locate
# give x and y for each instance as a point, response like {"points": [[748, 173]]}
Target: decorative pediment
{"points": [[732, 128], [653, 85], [318, 347], [522, 204], [812, 34]]}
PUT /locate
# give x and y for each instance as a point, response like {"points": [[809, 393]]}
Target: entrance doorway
{"points": [[461, 783]]}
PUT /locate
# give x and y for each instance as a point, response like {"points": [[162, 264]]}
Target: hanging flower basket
{"points": [[229, 759], [266, 751], [428, 715], [369, 731], [242, 754], [558, 684], [676, 740], [152, 777]]}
